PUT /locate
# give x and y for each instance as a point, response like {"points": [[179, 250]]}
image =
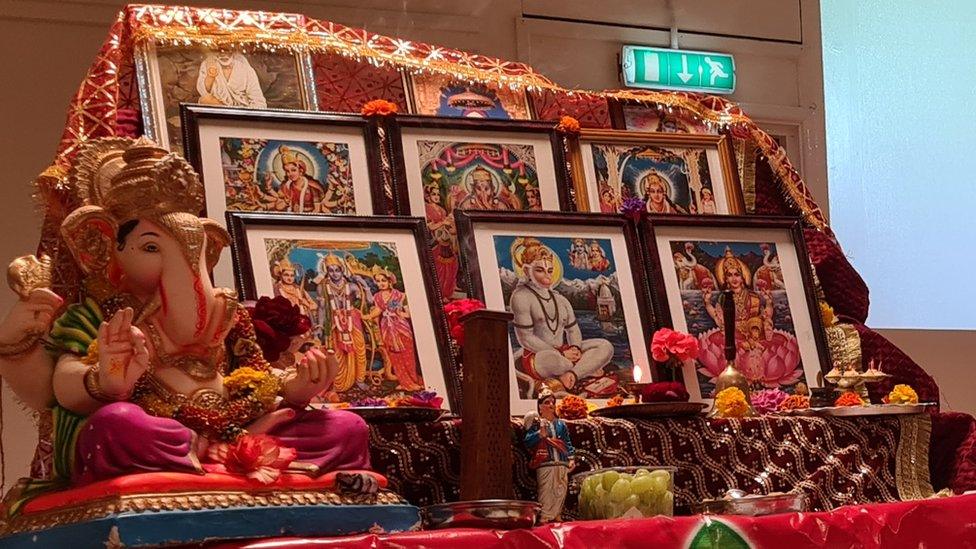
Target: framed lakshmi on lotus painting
{"points": [[455, 164], [442, 95], [670, 173], [366, 283], [169, 76], [778, 332], [575, 285], [288, 162]]}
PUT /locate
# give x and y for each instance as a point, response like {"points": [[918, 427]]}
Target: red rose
{"points": [[668, 343], [276, 321], [664, 391], [457, 309]]}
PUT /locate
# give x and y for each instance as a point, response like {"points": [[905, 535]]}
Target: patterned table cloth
{"points": [[835, 461]]}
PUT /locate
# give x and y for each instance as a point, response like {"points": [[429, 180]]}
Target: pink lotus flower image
{"points": [[773, 363]]}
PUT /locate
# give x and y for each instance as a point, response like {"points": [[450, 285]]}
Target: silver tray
{"points": [[873, 410], [397, 414], [651, 409], [496, 514]]}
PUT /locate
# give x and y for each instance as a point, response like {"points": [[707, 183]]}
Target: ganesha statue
{"points": [[155, 369]]}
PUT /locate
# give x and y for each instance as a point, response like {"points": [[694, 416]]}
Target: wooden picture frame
{"points": [[337, 153], [397, 245], [778, 346], [536, 176], [687, 165], [610, 298], [293, 89], [425, 94]]}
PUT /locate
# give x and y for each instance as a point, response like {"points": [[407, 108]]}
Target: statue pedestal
{"points": [[176, 508]]}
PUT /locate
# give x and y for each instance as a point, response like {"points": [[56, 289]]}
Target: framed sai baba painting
{"points": [[284, 162], [575, 285], [366, 284], [171, 75], [451, 164], [670, 173], [442, 95], [778, 332]]}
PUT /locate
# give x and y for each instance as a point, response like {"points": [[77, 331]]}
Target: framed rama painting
{"points": [[575, 285], [367, 285], [455, 164], [670, 173], [171, 75], [437, 94], [284, 161], [763, 261]]}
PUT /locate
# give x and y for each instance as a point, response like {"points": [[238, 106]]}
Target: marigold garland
{"points": [[731, 402], [827, 315], [572, 407], [902, 394]]}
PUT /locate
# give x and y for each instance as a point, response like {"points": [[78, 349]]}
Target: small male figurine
{"points": [[547, 439]]}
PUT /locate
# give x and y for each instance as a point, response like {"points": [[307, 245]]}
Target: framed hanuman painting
{"points": [[171, 75], [778, 332], [671, 173], [437, 94], [367, 284], [575, 285], [285, 162], [451, 164]]}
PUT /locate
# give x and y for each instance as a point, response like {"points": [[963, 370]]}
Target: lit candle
{"points": [[728, 317]]}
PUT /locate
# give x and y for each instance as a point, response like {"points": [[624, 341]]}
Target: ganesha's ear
{"points": [[90, 234], [217, 240]]}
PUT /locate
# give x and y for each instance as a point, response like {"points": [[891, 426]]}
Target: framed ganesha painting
{"points": [[450, 164], [366, 283], [779, 336]]}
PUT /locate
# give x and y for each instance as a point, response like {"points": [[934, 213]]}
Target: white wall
{"points": [[48, 45]]}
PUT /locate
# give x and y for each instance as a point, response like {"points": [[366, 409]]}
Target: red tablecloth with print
{"points": [[942, 522]]}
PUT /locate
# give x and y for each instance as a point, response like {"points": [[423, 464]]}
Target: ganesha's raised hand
{"points": [[30, 316], [122, 355], [313, 373]]}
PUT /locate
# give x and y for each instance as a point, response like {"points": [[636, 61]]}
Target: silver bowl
{"points": [[497, 514], [755, 506]]}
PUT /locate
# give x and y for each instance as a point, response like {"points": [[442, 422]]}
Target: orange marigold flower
{"points": [[617, 400], [378, 107], [572, 407], [731, 402], [849, 398], [568, 124], [827, 314]]}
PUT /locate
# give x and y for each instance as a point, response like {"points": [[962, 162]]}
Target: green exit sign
{"points": [[664, 69]]}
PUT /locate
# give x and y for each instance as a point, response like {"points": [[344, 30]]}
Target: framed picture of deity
{"points": [[575, 284], [367, 284], [171, 75], [763, 261], [285, 162], [641, 117], [437, 94], [450, 164], [669, 173]]}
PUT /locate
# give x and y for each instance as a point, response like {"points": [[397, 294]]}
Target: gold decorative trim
{"points": [[187, 501], [912, 463]]}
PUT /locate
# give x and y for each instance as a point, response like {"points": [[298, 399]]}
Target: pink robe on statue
{"points": [[397, 335], [122, 439]]}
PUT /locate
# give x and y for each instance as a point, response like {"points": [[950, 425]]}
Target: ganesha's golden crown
{"points": [[135, 178]]}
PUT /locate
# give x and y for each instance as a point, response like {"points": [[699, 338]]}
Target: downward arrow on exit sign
{"points": [[660, 68]]}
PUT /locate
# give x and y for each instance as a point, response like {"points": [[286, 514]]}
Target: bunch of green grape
{"points": [[613, 494]]}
